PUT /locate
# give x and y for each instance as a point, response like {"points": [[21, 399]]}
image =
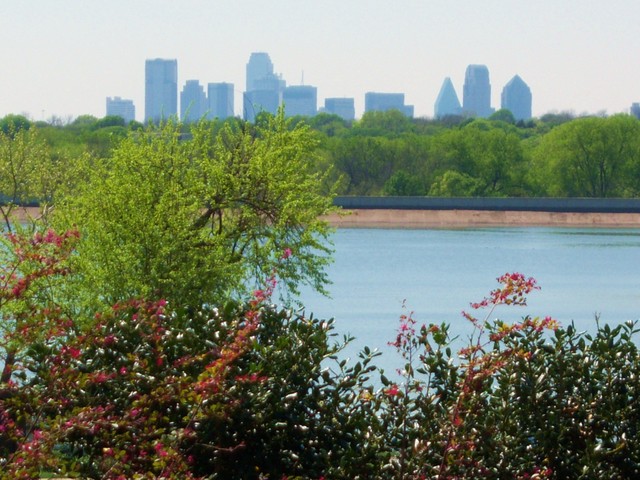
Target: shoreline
{"points": [[422, 219], [426, 218]]}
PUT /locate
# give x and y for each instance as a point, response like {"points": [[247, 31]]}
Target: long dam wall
{"points": [[436, 212]]}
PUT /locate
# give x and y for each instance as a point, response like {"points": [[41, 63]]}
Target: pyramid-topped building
{"points": [[447, 102]]}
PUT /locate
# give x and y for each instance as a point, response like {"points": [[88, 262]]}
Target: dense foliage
{"points": [[386, 153], [131, 345], [551, 156], [192, 217]]}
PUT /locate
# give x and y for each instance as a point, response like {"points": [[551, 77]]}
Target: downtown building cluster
{"points": [[476, 96], [266, 91]]}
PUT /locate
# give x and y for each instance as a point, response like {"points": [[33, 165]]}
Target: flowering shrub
{"points": [[243, 390], [526, 400]]}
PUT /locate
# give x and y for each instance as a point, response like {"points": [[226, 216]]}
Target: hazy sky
{"points": [[64, 57]]}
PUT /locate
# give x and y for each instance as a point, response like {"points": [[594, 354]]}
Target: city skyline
{"points": [[267, 90], [64, 58]]}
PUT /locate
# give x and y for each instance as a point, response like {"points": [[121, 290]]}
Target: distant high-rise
{"points": [[161, 89], [476, 96], [120, 107], [300, 100], [516, 97], [343, 107], [257, 101], [259, 66], [220, 100], [375, 101], [264, 88], [193, 102], [447, 102], [635, 110]]}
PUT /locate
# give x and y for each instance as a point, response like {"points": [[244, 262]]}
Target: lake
{"points": [[437, 273]]}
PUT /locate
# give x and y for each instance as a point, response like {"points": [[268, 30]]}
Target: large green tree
{"points": [[590, 157], [481, 159], [29, 173], [190, 217]]}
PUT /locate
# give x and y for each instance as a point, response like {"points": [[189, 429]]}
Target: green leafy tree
{"points": [[383, 123], [366, 162], [484, 156], [588, 157], [28, 173], [186, 219], [402, 183], [503, 115], [455, 184], [13, 123], [499, 154], [329, 124]]}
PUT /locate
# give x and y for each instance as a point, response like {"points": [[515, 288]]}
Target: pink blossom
{"points": [[392, 391]]}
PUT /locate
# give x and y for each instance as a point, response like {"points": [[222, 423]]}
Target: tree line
{"points": [[387, 153], [557, 155]]}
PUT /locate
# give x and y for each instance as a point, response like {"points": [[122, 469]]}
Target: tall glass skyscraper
{"points": [[220, 100], [476, 97], [259, 66], [193, 102], [161, 89], [516, 97], [264, 88]]}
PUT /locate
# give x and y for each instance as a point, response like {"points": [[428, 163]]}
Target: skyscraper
{"points": [[193, 102], [220, 100], [300, 100], [476, 97], [259, 66], [343, 107], [120, 107], [161, 89], [375, 101], [447, 102], [516, 97], [264, 88], [257, 101], [635, 110]]}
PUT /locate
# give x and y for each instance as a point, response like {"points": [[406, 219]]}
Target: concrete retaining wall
{"points": [[569, 205]]}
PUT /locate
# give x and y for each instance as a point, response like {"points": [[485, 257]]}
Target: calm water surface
{"points": [[436, 273]]}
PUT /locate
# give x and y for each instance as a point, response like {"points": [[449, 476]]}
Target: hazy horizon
{"points": [[64, 58]]}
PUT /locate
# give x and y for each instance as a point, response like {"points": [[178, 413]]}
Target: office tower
{"points": [[193, 102], [343, 107], [516, 97], [120, 107], [476, 97], [264, 88], [300, 100], [375, 101], [161, 89], [259, 66], [257, 101], [220, 100], [447, 102], [635, 110]]}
